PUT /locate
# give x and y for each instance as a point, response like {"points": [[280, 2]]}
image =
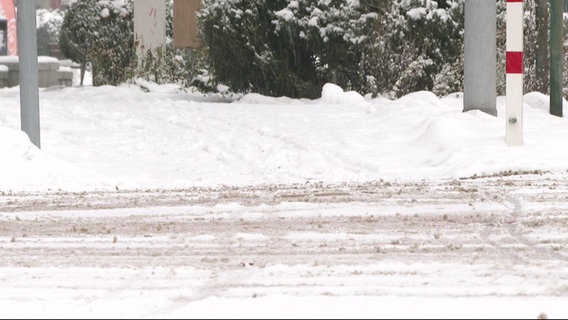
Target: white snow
{"points": [[47, 59], [416, 13], [107, 137], [105, 13], [285, 14], [102, 138]]}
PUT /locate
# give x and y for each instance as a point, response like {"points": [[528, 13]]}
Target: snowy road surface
{"points": [[478, 247]]}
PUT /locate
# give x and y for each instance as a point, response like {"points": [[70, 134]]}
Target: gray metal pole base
{"points": [[480, 56], [29, 83]]}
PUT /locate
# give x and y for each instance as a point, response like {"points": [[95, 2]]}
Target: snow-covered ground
{"points": [[123, 137], [149, 201]]}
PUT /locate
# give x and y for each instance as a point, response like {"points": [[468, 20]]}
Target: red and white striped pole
{"points": [[514, 68]]}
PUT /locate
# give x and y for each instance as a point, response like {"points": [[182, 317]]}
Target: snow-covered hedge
{"points": [[290, 48], [100, 32]]}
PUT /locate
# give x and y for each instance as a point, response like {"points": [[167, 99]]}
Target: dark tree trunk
{"points": [[542, 65], [83, 67]]}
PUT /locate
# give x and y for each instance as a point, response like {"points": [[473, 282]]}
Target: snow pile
{"points": [[146, 135]]}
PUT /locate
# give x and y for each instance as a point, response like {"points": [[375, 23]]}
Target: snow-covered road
{"points": [[486, 246]]}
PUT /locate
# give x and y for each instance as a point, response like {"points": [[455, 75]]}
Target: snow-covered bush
{"points": [[48, 26], [290, 48], [100, 32], [334, 33], [417, 45]]}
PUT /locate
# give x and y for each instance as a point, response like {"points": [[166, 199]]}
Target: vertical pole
{"points": [[29, 83], [556, 13], [480, 56], [542, 71], [514, 70]]}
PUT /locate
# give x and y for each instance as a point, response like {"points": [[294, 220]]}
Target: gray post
{"points": [[480, 56], [29, 83], [556, 54]]}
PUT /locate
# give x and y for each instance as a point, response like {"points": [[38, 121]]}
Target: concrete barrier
{"points": [[65, 77], [50, 73], [4, 72]]}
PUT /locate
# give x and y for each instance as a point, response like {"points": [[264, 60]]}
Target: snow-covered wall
{"points": [[50, 73]]}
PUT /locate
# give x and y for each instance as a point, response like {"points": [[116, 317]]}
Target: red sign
{"points": [[7, 12]]}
